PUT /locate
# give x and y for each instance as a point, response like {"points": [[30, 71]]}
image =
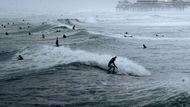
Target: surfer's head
{"points": [[115, 57]]}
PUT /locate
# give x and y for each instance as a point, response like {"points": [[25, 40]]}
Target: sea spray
{"points": [[48, 56]]}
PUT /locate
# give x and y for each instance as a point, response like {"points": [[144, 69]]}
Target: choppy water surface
{"points": [[74, 74]]}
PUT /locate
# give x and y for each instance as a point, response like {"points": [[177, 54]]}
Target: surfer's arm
{"points": [[114, 65]]}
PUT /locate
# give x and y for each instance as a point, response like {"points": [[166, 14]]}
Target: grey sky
{"points": [[50, 6], [66, 5]]}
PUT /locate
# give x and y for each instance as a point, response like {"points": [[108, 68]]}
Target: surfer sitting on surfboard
{"points": [[112, 65], [20, 57]]}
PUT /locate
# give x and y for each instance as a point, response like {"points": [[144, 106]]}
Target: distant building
{"points": [[152, 5]]}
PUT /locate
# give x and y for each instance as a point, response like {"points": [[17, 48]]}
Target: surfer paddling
{"points": [[112, 65]]}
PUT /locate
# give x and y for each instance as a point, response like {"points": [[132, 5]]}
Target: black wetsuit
{"points": [[144, 46], [20, 57], [74, 27], [111, 65], [43, 36], [57, 43], [64, 36]]}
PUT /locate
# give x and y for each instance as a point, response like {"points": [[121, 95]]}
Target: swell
{"points": [[15, 76], [69, 21], [6, 55], [33, 29], [179, 100], [42, 57]]}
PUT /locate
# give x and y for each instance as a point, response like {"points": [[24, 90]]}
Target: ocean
{"points": [[75, 73]]}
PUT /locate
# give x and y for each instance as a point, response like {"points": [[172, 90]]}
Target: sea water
{"points": [[75, 73]]}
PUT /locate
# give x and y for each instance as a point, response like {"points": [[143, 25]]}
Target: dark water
{"points": [[74, 74]]}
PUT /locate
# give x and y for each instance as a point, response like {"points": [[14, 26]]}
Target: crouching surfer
{"points": [[112, 65]]}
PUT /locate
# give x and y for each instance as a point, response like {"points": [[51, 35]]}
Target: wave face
{"points": [[49, 56]]}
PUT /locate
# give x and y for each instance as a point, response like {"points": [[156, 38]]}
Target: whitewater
{"points": [[75, 73]]}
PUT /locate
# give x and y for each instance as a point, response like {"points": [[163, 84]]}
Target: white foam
{"points": [[88, 19], [49, 56]]}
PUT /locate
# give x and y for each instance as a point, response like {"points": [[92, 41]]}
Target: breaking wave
{"points": [[48, 56]]}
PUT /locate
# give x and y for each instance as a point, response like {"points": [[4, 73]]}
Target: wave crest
{"points": [[48, 56]]}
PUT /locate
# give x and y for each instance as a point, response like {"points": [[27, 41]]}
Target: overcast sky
{"points": [[56, 6], [66, 5]]}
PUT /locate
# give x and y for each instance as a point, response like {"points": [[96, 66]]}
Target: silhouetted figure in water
{"points": [[183, 80], [64, 36], [144, 46], [58, 31], [6, 33], [4, 26], [159, 35], [20, 57], [13, 23], [57, 42], [29, 33], [127, 35], [43, 36], [74, 27], [8, 23], [20, 28], [28, 26], [23, 20], [112, 65]]}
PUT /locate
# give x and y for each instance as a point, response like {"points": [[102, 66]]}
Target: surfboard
{"points": [[106, 70]]}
